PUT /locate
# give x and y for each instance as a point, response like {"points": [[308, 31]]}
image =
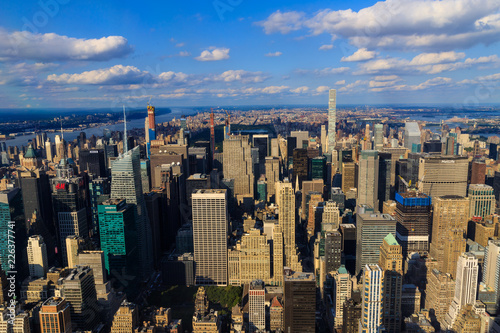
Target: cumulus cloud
{"points": [[274, 54], [274, 89], [322, 89], [325, 71], [115, 75], [214, 54], [19, 45], [326, 47], [300, 90], [360, 55], [400, 24], [239, 75], [340, 83]]}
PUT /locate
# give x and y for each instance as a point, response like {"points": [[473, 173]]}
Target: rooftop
{"points": [[391, 240]]}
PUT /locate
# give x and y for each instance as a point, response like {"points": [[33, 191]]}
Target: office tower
{"points": [[261, 142], [493, 151], [482, 200], [332, 119], [491, 270], [257, 308], [49, 150], [318, 168], [210, 230], [74, 244], [99, 190], [342, 288], [178, 269], [313, 213], [145, 176], [286, 213], [449, 224], [238, 164], [371, 310], [119, 241], [478, 172], [95, 260], [378, 141], [352, 315], [276, 314], [93, 161], [291, 144], [55, 316], [391, 262], [412, 136], [302, 138], [331, 216], [173, 154], [150, 129], [126, 184], [79, 291], [465, 286], [332, 250], [126, 319], [368, 179], [384, 179], [371, 229], [14, 322], [272, 165], [309, 187], [349, 176], [278, 255], [410, 300], [300, 165], [37, 256], [413, 214], [433, 169], [37, 202], [439, 293], [300, 302], [324, 139]]}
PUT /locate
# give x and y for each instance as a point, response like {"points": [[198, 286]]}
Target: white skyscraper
{"points": [[37, 256], [371, 310], [210, 229], [465, 286], [491, 273], [332, 119]]}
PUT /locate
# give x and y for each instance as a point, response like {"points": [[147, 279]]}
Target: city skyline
{"points": [[61, 54]]}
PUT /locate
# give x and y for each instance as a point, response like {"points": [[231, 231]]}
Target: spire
{"points": [[125, 144]]}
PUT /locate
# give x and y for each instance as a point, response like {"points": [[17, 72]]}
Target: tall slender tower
{"points": [[151, 129], [37, 256], [368, 178], [286, 206], [127, 184], [371, 310], [332, 119], [210, 229]]}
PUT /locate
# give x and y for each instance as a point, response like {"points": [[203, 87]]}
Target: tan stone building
{"points": [[439, 294], [126, 319]]}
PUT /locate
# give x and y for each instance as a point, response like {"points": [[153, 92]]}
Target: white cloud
{"points": [[326, 47], [437, 81], [360, 55], [274, 89], [401, 24], [214, 54], [340, 83], [20, 45], [325, 71], [322, 89], [300, 90], [115, 75], [274, 54], [437, 58], [239, 75], [282, 22]]}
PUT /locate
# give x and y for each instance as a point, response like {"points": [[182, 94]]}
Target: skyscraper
{"points": [[286, 211], [332, 119], [257, 307], [378, 141], [55, 316], [391, 262], [439, 293], [491, 270], [465, 286], [261, 142], [371, 310], [37, 256], [150, 129], [300, 302], [126, 319], [412, 136], [74, 244], [450, 217], [433, 169], [93, 161], [126, 184], [238, 164], [371, 229], [342, 287], [482, 200], [210, 230], [272, 165], [368, 179]]}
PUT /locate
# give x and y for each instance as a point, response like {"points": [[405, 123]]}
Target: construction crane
{"points": [[405, 182]]}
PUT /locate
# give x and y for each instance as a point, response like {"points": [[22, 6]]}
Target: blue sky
{"points": [[68, 53]]}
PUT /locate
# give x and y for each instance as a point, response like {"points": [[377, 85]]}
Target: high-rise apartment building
{"points": [[55, 316], [210, 230], [342, 288], [482, 200], [450, 217], [391, 262], [368, 179], [440, 291], [413, 216], [371, 310], [127, 184], [332, 119], [465, 286], [257, 307], [300, 302], [238, 164], [443, 175], [37, 256], [371, 229]]}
